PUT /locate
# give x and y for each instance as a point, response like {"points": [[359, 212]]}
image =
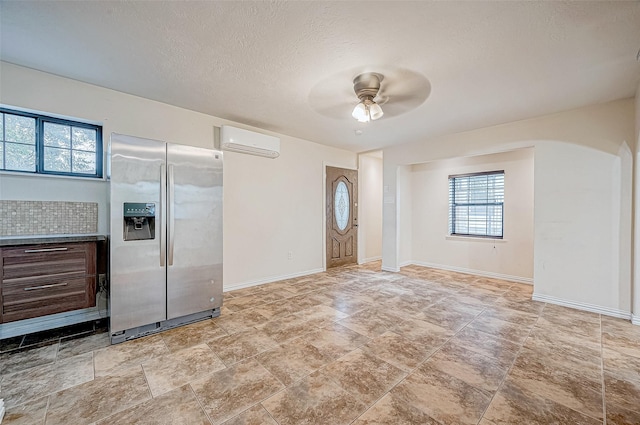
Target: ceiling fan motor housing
{"points": [[367, 85]]}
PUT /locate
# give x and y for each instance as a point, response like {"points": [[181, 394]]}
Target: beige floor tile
{"points": [[257, 415], [335, 340], [620, 335], [398, 351], [293, 360], [236, 322], [513, 404], [561, 385], [349, 303], [178, 407], [563, 343], [391, 411], [244, 302], [617, 415], [475, 369], [227, 393], [428, 335], [73, 347], [510, 331], [128, 354], [519, 317], [287, 328], [242, 345], [582, 365], [277, 309], [193, 334], [371, 323], [171, 371], [621, 365], [24, 359], [624, 393], [586, 331], [442, 397], [29, 413], [36, 382], [363, 375], [97, 399], [321, 315], [452, 317], [501, 350], [313, 400]]}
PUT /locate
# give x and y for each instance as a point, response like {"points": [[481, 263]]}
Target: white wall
{"points": [[510, 257], [636, 250], [405, 212], [369, 208], [585, 265], [270, 206]]}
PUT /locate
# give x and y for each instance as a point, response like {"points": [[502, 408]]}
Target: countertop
{"points": [[40, 240]]}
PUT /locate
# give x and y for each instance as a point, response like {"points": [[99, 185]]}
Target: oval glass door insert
{"points": [[341, 205]]}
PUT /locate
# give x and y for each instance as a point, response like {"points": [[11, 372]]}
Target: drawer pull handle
{"points": [[30, 251], [53, 285]]}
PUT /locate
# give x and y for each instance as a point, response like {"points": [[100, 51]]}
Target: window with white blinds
{"points": [[476, 204]]}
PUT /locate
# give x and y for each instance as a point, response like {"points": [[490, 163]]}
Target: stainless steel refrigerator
{"points": [[166, 235]]}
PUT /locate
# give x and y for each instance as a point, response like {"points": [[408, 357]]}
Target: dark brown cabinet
{"points": [[37, 280]]}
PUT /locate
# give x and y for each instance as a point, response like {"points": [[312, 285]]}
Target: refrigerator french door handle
{"points": [[171, 203], [163, 226]]}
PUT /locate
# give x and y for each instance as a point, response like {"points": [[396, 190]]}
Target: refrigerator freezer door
{"points": [[138, 274], [194, 267]]}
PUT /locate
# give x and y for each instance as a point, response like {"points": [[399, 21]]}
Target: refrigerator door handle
{"points": [[163, 227], [171, 204]]}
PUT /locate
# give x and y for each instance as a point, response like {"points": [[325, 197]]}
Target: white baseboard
{"points": [[269, 280], [635, 319], [519, 279], [370, 260], [607, 311], [390, 269]]}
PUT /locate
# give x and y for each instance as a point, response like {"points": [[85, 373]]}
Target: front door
{"points": [[342, 216]]}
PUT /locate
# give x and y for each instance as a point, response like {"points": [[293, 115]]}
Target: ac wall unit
{"points": [[245, 141]]}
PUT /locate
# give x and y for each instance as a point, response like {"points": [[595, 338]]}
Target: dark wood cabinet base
{"points": [[37, 280]]}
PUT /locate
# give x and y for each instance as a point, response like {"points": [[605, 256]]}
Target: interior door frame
{"points": [[326, 164]]}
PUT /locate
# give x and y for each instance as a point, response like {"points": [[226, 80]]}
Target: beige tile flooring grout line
{"points": [[512, 364], [199, 403]]}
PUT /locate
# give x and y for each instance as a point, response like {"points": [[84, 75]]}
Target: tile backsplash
{"points": [[24, 218]]}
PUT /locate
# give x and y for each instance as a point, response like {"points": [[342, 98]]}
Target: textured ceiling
{"points": [[288, 66]]}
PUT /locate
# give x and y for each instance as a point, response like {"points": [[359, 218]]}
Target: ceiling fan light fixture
{"points": [[361, 112], [366, 87], [375, 111]]}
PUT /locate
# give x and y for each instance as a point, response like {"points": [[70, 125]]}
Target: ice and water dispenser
{"points": [[139, 221]]}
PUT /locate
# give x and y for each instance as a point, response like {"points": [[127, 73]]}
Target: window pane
{"points": [[20, 157], [84, 139], [56, 159], [341, 205], [84, 162], [1, 155], [1, 127], [20, 129], [57, 135], [476, 204]]}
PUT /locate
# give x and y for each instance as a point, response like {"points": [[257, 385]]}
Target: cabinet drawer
{"points": [[44, 260], [47, 297]]}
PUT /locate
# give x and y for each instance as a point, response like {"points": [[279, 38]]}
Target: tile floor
{"points": [[351, 346]]}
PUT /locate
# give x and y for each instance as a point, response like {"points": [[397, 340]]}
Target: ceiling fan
{"points": [[398, 90]]}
